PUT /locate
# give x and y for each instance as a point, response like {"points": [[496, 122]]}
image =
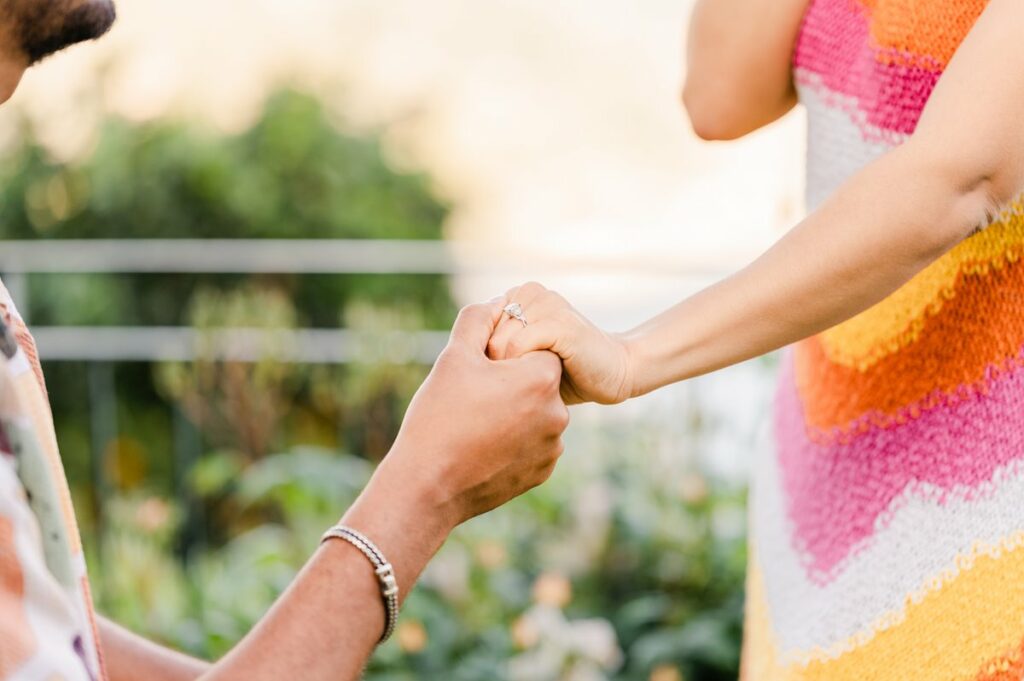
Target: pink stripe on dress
{"points": [[834, 53], [837, 492]]}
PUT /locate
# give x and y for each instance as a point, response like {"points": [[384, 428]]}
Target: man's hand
{"points": [[479, 432], [597, 365]]}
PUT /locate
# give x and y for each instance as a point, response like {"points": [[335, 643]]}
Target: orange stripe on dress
{"points": [[1007, 668], [922, 33], [973, 337]]}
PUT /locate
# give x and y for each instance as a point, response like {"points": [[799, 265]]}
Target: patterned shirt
{"points": [[47, 623]]}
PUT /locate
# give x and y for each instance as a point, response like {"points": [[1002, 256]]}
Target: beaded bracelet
{"points": [[381, 568]]}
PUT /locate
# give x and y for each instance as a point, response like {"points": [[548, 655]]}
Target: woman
{"points": [[887, 528]]}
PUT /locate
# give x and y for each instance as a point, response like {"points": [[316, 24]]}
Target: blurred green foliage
{"points": [[216, 479], [295, 173], [292, 175], [618, 568]]}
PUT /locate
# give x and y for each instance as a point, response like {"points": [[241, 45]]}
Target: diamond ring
{"points": [[515, 311]]}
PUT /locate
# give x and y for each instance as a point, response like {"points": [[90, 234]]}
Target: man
{"points": [[477, 434]]}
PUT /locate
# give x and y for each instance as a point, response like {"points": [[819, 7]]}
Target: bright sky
{"points": [[552, 125]]}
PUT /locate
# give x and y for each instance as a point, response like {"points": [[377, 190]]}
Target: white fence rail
{"points": [[18, 259], [102, 349], [322, 256], [182, 344]]}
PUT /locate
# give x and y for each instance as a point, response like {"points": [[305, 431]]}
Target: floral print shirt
{"points": [[47, 622]]}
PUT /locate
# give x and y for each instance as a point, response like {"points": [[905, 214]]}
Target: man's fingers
{"points": [[540, 336], [506, 328], [545, 367], [476, 323], [545, 371]]}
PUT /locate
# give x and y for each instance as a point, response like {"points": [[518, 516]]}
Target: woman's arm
{"points": [[738, 72], [965, 161]]}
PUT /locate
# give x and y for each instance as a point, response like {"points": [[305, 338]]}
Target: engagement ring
{"points": [[515, 311]]}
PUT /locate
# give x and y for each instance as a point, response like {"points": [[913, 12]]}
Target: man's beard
{"points": [[41, 27]]}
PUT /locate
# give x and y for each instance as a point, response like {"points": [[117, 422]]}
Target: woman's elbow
{"points": [[719, 113], [712, 116]]}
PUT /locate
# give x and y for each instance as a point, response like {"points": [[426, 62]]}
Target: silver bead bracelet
{"points": [[381, 568]]}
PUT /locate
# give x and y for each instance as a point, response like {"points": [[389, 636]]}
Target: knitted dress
{"points": [[887, 537]]}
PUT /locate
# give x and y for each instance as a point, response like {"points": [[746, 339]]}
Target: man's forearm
{"points": [[329, 620], [455, 457], [129, 657]]}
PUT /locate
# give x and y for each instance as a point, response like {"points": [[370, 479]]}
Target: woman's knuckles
{"points": [[531, 289]]}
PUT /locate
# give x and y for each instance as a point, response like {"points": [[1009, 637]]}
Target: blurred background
{"points": [[240, 231]]}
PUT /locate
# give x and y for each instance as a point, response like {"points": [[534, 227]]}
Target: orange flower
{"points": [[491, 554], [412, 636], [552, 589], [524, 633], [665, 672]]}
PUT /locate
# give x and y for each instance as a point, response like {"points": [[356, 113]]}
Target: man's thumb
{"points": [[476, 323]]}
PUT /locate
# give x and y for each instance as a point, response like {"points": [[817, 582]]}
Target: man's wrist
{"points": [[405, 516]]}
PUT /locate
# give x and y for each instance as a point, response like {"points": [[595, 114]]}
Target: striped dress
{"points": [[887, 537]]}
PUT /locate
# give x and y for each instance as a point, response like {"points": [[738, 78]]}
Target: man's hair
{"points": [[41, 27]]}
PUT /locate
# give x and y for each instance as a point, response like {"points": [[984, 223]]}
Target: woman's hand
{"points": [[463, 456], [596, 364]]}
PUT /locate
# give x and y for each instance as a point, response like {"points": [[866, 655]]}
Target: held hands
{"points": [[597, 366], [487, 423], [479, 432]]}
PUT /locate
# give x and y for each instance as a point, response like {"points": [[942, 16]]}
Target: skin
{"points": [[13, 64], [128, 655], [11, 71], [30, 30], [738, 58], [456, 456], [963, 163]]}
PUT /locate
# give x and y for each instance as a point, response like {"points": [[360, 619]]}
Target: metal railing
{"points": [[18, 259], [320, 256], [101, 348]]}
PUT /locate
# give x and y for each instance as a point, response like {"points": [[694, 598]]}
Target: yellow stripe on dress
{"points": [[899, 320], [953, 632]]}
